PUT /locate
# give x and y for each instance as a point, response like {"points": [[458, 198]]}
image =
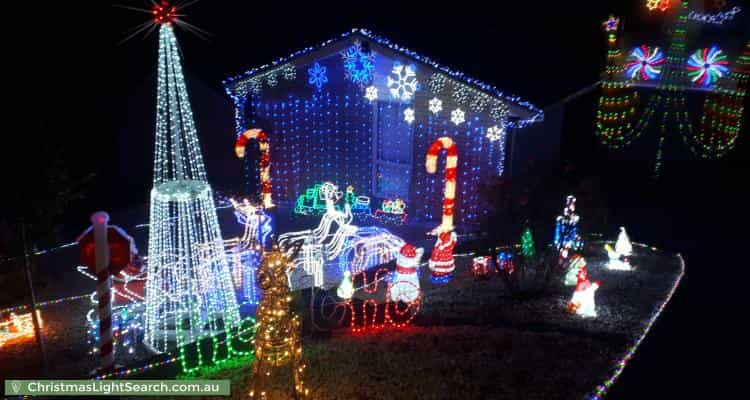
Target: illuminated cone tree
{"points": [[189, 292]]}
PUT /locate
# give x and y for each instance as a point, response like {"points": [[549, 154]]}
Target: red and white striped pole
{"points": [[265, 160], [99, 222], [451, 173]]}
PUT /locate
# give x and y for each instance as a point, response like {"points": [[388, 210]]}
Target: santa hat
{"points": [[407, 257]]}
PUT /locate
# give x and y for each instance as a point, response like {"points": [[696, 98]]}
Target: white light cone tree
{"points": [[189, 292]]}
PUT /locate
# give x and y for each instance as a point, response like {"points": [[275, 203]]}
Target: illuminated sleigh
{"points": [[326, 253]]}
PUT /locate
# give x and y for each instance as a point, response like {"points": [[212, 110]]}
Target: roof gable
{"points": [[523, 111]]}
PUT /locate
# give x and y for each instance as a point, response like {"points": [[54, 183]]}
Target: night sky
{"points": [[95, 100]]}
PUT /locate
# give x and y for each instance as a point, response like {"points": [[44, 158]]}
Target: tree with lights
{"points": [[189, 292], [528, 249], [277, 338]]}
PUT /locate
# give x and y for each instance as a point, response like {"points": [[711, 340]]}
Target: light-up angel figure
{"points": [[619, 256], [644, 63], [707, 66]]}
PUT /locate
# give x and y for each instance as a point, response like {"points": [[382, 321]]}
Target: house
{"points": [[361, 110]]}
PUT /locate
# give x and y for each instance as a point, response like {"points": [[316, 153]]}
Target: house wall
{"points": [[333, 133]]}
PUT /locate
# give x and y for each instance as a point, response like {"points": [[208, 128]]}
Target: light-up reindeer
{"points": [[243, 253], [358, 248], [277, 338]]}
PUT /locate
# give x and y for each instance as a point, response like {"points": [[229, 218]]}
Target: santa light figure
{"points": [[582, 302], [619, 256], [441, 261], [405, 286]]}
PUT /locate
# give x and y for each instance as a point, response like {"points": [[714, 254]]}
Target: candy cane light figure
{"points": [[451, 173], [441, 261], [265, 160]]}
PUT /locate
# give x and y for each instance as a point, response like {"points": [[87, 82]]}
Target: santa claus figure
{"points": [[441, 261], [405, 284], [582, 302]]}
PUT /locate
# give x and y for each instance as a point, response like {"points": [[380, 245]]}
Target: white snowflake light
{"points": [[402, 81], [495, 133], [371, 93], [437, 82], [289, 72], [409, 115], [255, 85], [272, 80], [458, 116], [478, 103], [499, 111], [436, 105], [461, 94]]}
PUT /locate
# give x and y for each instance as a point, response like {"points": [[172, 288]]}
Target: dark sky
{"points": [[70, 86], [98, 97]]}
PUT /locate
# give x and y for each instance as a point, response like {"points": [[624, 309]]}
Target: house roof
{"points": [[525, 112]]}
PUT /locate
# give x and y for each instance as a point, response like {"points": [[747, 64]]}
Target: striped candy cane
{"points": [[265, 160], [451, 172], [103, 289]]}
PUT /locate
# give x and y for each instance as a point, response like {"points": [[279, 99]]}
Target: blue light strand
{"points": [[232, 89]]}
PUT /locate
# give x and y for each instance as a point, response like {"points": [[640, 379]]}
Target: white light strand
{"points": [[189, 292]]}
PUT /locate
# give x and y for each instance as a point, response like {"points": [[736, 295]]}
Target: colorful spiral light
{"points": [[706, 66], [644, 63]]}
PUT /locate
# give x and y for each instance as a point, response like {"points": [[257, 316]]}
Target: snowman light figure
{"points": [[405, 285], [582, 302], [619, 256]]}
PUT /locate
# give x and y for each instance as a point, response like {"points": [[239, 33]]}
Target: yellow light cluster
{"points": [[277, 339], [18, 326]]}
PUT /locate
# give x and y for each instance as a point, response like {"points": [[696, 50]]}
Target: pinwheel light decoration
{"points": [[706, 66], [644, 63]]}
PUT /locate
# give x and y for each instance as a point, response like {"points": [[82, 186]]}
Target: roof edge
{"points": [[536, 113]]}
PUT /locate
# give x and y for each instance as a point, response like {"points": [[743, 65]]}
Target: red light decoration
{"points": [[481, 267], [661, 5], [164, 13], [369, 316]]}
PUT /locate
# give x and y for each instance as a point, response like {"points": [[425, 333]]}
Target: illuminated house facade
{"points": [[360, 110]]}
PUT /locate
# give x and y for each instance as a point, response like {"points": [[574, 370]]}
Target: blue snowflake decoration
{"points": [[317, 76], [358, 65]]}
